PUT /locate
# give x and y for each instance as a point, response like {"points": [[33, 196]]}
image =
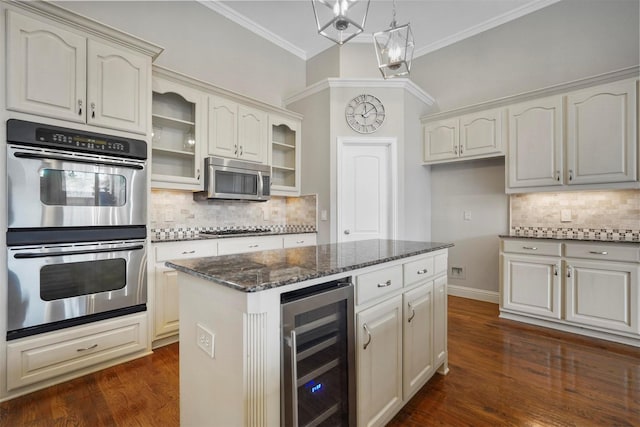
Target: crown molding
{"points": [[485, 26], [625, 73], [398, 83], [252, 26]]}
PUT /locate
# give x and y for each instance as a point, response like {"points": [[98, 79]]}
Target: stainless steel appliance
{"points": [[318, 356], [56, 286], [76, 233], [235, 180], [59, 177]]}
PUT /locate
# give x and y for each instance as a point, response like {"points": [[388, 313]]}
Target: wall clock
{"points": [[364, 113]]}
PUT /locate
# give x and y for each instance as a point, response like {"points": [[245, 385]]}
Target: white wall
{"points": [[200, 43]]}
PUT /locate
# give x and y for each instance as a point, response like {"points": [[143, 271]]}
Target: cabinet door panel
{"points": [[223, 127], [117, 87], [535, 143], [481, 133], [46, 69], [601, 134], [440, 323], [418, 338], [166, 320], [379, 375], [252, 134], [441, 140], [603, 294], [532, 285]]}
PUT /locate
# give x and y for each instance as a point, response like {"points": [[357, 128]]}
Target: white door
{"points": [[366, 189]]}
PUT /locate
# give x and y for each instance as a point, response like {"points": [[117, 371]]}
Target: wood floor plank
{"points": [[502, 373]]}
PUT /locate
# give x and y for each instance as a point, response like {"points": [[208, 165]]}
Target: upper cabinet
{"points": [[586, 137], [178, 134], [58, 73], [471, 136], [237, 131], [602, 144], [284, 140], [535, 143]]}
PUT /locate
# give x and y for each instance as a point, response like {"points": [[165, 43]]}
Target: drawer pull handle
{"points": [[299, 241], [188, 252], [599, 252], [413, 313], [423, 271], [366, 329], [87, 349], [385, 284], [530, 248], [254, 246]]}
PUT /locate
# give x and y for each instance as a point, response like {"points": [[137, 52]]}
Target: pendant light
{"points": [[332, 20], [394, 49]]}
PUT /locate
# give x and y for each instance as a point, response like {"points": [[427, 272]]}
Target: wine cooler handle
{"points": [[366, 329], [294, 378]]}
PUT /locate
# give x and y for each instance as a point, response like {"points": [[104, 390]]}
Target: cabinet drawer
{"points": [[187, 249], [418, 270], [248, 244], [295, 240], [34, 359], [532, 247], [607, 252], [375, 284]]}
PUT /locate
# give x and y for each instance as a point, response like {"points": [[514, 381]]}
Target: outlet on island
{"points": [[205, 340]]}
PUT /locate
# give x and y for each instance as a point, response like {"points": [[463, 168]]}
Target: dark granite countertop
{"points": [[257, 271], [571, 239]]}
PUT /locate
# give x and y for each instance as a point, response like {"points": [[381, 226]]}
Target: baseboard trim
{"points": [[472, 293]]}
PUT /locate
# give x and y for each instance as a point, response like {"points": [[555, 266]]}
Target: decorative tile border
{"points": [[612, 234]]}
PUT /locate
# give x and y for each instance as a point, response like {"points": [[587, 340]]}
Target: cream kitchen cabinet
{"points": [[379, 362], [285, 154], [58, 72], [583, 287], [236, 245], [471, 136], [440, 323], [237, 130], [535, 156], [178, 116], [602, 140], [298, 240], [599, 146]]}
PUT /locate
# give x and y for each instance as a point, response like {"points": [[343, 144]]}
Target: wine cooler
{"points": [[318, 358]]}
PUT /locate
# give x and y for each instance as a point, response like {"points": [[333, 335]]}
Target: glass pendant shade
{"points": [[340, 20], [394, 49]]}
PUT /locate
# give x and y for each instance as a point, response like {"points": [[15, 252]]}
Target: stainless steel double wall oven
{"points": [[76, 227]]}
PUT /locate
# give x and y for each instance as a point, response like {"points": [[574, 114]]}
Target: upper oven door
{"points": [[55, 188]]}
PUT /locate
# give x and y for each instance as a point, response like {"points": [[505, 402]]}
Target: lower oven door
{"points": [[56, 286], [55, 188]]}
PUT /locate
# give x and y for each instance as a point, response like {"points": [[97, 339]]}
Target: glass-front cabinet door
{"points": [[284, 139], [177, 135]]}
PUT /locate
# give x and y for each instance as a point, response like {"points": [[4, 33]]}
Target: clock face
{"points": [[364, 113]]}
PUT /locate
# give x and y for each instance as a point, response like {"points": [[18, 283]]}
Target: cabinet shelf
{"points": [[165, 121], [283, 168], [172, 151], [283, 145]]}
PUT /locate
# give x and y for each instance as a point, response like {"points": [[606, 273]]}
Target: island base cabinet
{"points": [[379, 362], [418, 340], [603, 295]]}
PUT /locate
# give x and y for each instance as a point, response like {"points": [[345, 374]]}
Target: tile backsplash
{"points": [[611, 211], [178, 210]]}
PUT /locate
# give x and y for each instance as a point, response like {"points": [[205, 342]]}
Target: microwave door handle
{"points": [[30, 255], [63, 158]]}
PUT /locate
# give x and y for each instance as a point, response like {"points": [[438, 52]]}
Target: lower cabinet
{"points": [[587, 288], [401, 334], [75, 350]]}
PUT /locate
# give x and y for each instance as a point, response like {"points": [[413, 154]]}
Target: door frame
{"points": [[392, 144]]}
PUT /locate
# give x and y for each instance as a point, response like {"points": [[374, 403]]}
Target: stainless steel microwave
{"points": [[229, 179]]}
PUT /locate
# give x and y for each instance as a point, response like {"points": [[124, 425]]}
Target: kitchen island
{"points": [[230, 327]]}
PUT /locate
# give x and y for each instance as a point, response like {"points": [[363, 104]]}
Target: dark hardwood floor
{"points": [[502, 373]]}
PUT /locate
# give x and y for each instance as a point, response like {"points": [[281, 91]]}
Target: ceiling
{"points": [[435, 23]]}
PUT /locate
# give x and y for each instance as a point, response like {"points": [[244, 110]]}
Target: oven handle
{"points": [[91, 251], [75, 160]]}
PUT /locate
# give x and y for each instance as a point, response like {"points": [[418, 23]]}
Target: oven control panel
{"points": [[38, 134], [76, 140]]}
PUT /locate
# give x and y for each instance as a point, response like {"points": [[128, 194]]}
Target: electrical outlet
{"points": [[323, 215], [457, 273], [467, 215], [565, 215], [205, 340]]}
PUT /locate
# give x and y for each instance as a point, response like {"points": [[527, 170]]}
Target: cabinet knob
{"points": [[241, 150], [235, 149], [455, 149], [79, 107], [569, 271], [461, 149], [385, 284], [93, 110], [347, 231], [558, 176], [423, 271], [570, 174]]}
